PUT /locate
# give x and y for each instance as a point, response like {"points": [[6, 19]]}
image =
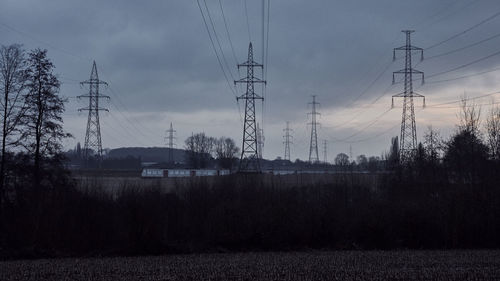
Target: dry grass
{"points": [[357, 265]]}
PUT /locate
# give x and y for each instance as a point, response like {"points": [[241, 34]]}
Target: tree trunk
{"points": [[4, 137]]}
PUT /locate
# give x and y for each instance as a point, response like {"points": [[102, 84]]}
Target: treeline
{"points": [[202, 150], [252, 213], [31, 136]]}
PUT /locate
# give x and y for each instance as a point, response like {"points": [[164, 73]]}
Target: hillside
{"points": [[148, 154]]}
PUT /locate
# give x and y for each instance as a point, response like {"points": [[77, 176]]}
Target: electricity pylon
{"points": [[288, 140], [260, 141], [93, 140], [170, 143], [325, 151], [313, 146], [408, 141], [249, 160]]}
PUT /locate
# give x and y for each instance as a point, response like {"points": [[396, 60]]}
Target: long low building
{"points": [[177, 173]]}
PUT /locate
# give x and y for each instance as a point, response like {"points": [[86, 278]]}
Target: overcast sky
{"points": [[160, 65]]}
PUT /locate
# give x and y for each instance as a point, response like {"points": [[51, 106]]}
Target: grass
{"points": [[344, 265]]}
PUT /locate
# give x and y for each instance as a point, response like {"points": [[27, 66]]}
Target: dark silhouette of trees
{"points": [[362, 162], [493, 132], [12, 84], [392, 157], [226, 152], [42, 129], [466, 157], [199, 148], [465, 154], [469, 117], [433, 146], [342, 159]]}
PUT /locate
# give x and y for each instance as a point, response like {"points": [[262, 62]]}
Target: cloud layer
{"points": [[161, 67]]}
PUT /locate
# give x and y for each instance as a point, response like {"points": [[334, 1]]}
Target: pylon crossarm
{"points": [[247, 80], [400, 95], [89, 96], [88, 109], [402, 48], [249, 64], [93, 82], [413, 48], [245, 96]]}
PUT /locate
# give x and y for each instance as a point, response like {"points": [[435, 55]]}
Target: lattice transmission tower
{"points": [[408, 141], [288, 140], [260, 141], [249, 160], [93, 142], [313, 146], [170, 138], [325, 151]]}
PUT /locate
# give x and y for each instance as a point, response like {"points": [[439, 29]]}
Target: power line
{"points": [[214, 48], [372, 83], [463, 77], [446, 8], [132, 121], [460, 106], [465, 99], [124, 130], [364, 128], [267, 37], [228, 33], [248, 21], [44, 42], [465, 31], [265, 61], [462, 48], [218, 41], [359, 113], [222, 53], [464, 65], [372, 137]]}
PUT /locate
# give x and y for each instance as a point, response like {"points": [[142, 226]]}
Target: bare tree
{"points": [[226, 151], [199, 147], [42, 122], [493, 132], [433, 145], [362, 161], [342, 159], [469, 116], [392, 157], [12, 80]]}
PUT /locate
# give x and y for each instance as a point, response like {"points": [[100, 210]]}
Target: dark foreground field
{"points": [[352, 265]]}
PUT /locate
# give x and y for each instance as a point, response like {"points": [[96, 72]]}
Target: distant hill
{"points": [[148, 154]]}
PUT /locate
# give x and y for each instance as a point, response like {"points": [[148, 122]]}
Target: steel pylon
{"points": [[408, 140], [313, 145], [93, 142], [170, 143], [288, 140], [249, 160]]}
